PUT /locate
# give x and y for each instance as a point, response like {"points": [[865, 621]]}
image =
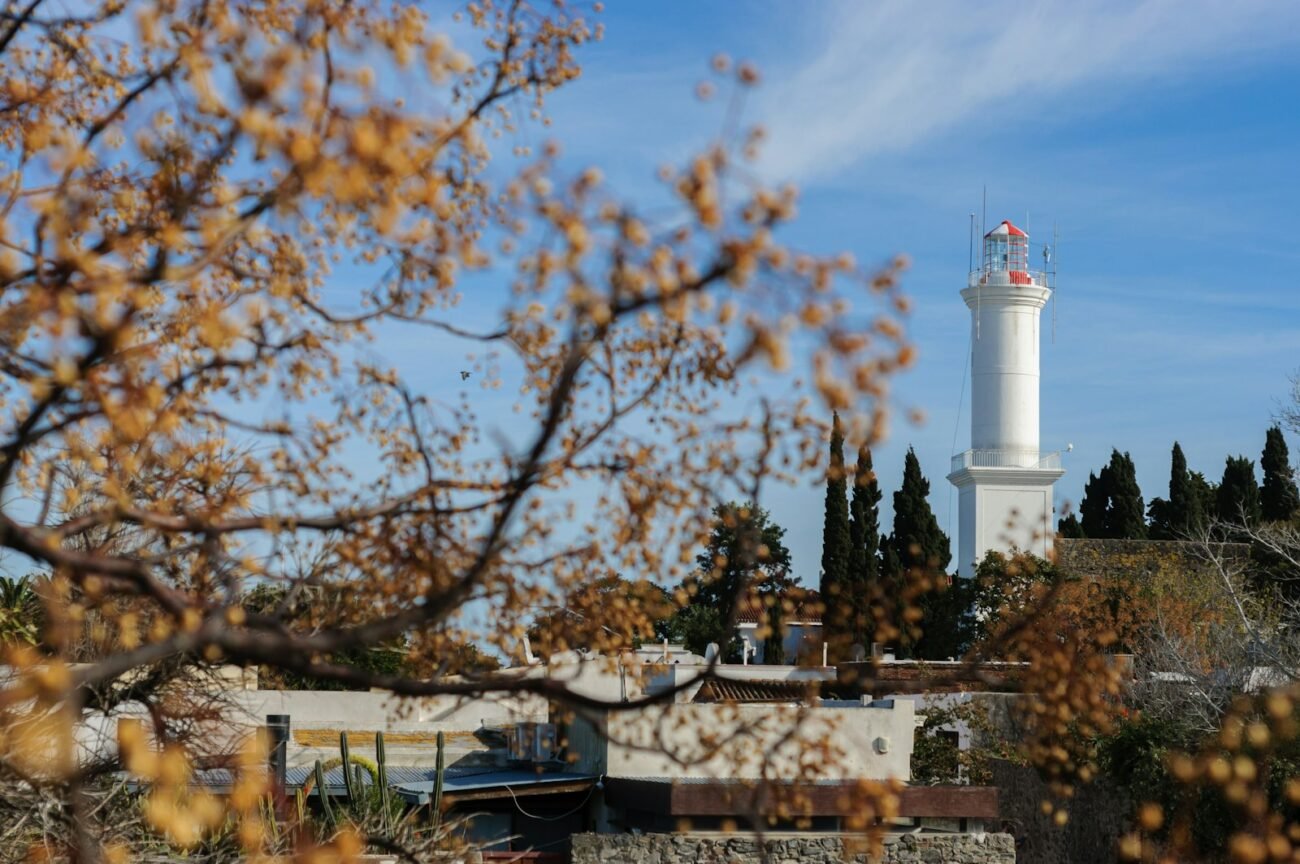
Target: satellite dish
{"points": [[857, 653], [1069, 448], [711, 652]]}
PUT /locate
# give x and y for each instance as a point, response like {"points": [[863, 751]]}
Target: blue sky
{"points": [[1161, 137]]}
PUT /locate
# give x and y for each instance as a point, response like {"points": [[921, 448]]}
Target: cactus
{"points": [[382, 760], [357, 772], [440, 771], [346, 764], [321, 791]]}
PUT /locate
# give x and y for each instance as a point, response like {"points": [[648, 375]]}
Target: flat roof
{"points": [[505, 782]]}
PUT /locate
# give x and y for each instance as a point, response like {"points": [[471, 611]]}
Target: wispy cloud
{"points": [[884, 76]]}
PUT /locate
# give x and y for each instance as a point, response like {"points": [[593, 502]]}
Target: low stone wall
{"points": [[1140, 560], [789, 849]]}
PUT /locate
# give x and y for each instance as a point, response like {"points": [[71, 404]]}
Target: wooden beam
{"points": [[519, 791], [948, 801]]}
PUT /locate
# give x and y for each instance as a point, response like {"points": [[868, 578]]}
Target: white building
{"points": [[1004, 481]]}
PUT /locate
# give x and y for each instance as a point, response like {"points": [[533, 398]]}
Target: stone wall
{"points": [[1139, 560], [788, 849]]}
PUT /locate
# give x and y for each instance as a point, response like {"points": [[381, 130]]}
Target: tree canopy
{"points": [[923, 553], [837, 546], [1278, 498], [227, 224], [745, 557], [1237, 500]]}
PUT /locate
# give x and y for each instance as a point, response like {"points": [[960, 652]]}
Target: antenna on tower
{"points": [[970, 256], [1055, 256], [979, 281]]}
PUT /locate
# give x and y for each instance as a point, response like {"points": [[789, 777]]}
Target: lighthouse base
{"points": [[1003, 509]]}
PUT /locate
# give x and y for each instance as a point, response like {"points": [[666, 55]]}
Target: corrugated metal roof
{"points": [[761, 690]]}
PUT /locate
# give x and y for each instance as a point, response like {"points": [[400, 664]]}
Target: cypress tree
{"points": [[889, 625], [924, 553], [1158, 526], [1069, 527], [1279, 499], [1186, 513], [864, 535], [835, 533], [1095, 503], [1237, 501], [917, 539], [1126, 515], [1206, 495]]}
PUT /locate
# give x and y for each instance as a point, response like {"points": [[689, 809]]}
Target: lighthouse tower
{"points": [[1004, 481]]}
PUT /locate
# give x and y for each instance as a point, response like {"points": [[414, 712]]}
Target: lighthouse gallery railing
{"points": [[1006, 459]]}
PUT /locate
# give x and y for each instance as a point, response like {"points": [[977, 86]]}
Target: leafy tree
{"points": [[745, 554], [936, 756], [1279, 498], [1237, 500], [302, 609], [924, 552], [1125, 513], [1004, 587], [836, 541], [21, 614], [582, 621], [864, 561], [696, 625]]}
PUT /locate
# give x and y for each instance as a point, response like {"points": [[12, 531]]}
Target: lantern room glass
{"points": [[1006, 253]]}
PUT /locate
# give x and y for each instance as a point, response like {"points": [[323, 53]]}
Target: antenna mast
{"points": [[970, 235], [979, 281], [1056, 242]]}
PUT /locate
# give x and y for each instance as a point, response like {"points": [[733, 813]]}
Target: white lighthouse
{"points": [[1004, 481]]}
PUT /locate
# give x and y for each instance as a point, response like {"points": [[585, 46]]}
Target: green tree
{"points": [[923, 551], [864, 560], [1237, 501], [697, 625], [21, 614], [1069, 527], [1095, 503], [1158, 525], [1125, 513], [1004, 585], [836, 544], [1279, 500], [1181, 515], [1186, 505], [746, 553], [304, 608], [1206, 494]]}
